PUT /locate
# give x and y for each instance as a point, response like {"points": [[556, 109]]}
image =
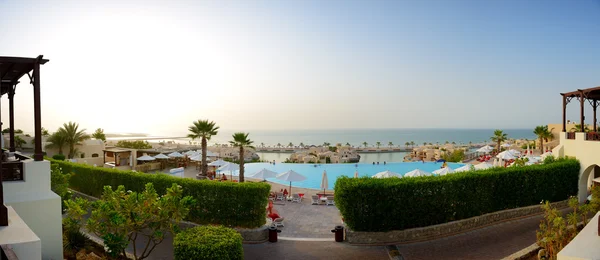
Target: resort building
{"points": [[30, 213], [342, 154], [233, 153], [88, 152]]}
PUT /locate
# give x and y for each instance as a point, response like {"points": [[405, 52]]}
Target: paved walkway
{"points": [[302, 250], [303, 220]]}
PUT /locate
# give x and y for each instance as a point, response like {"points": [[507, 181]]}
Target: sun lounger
{"points": [[280, 196], [278, 222], [296, 198], [315, 200], [330, 201]]}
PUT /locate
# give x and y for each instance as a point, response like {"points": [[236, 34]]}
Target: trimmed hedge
{"points": [[370, 204], [208, 242], [225, 203]]}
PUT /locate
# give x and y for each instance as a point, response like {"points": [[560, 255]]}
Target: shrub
{"points": [[59, 157], [226, 203], [139, 144], [59, 182], [208, 242], [369, 204]]}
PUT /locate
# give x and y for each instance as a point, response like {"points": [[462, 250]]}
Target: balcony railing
{"points": [[13, 170], [592, 136], [571, 135]]}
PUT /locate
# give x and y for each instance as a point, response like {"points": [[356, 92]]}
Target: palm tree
{"points": [[301, 144], [365, 144], [45, 132], [447, 142], [424, 143], [577, 128], [73, 136], [241, 140], [326, 144], [412, 143], [499, 137], [453, 142], [347, 144], [278, 145], [262, 145], [470, 143], [378, 144], [543, 134], [407, 144], [204, 130], [390, 144], [290, 144]]}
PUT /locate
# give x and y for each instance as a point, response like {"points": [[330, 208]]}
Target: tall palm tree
{"points": [[577, 128], [301, 144], [278, 145], [262, 145], [407, 144], [499, 137], [73, 137], [453, 142], [378, 144], [326, 144], [57, 140], [365, 144], [290, 144], [347, 144], [390, 144], [241, 140], [543, 134], [204, 130], [424, 143], [412, 143]]}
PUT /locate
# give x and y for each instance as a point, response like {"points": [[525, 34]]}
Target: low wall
{"points": [[446, 229], [249, 236]]}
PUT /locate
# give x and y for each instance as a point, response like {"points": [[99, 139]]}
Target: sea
{"points": [[355, 137]]}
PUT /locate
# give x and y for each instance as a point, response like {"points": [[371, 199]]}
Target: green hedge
{"points": [[226, 203], [208, 242], [370, 204]]}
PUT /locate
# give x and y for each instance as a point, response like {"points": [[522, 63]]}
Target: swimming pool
{"points": [[313, 174]]}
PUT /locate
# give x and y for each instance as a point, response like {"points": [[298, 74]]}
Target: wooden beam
{"points": [[37, 112], [11, 118], [595, 106], [564, 114], [3, 209], [39, 59], [582, 102]]}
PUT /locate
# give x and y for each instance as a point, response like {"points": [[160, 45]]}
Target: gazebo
{"points": [[592, 95]]}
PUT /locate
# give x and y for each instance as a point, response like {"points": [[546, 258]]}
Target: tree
{"points": [[205, 130], [7, 130], [348, 144], [99, 134], [407, 144], [456, 156], [365, 144], [121, 216], [390, 144], [453, 142], [57, 140], [241, 140], [378, 144], [138, 144], [262, 145], [447, 142], [543, 134], [278, 145], [424, 143], [326, 144], [73, 137], [45, 132], [412, 143], [19, 142], [499, 137], [290, 144], [577, 128], [302, 145]]}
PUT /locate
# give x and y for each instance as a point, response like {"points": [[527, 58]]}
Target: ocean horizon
{"points": [[355, 137]]}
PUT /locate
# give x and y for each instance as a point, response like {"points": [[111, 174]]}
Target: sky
{"points": [[156, 66]]}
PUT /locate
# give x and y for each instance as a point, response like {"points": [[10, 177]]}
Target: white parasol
{"points": [[417, 173], [290, 176], [387, 174]]}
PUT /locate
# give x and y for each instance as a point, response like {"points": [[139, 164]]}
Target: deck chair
{"points": [[330, 201], [296, 198], [280, 196], [278, 222], [315, 200]]}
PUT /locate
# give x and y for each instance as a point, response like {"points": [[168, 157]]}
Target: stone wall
{"points": [[443, 230]]}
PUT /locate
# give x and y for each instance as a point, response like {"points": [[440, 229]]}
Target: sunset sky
{"points": [[156, 66]]}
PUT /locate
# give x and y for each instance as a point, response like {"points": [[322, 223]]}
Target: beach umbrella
{"points": [[209, 154], [263, 174], [161, 156], [324, 181], [528, 152], [417, 173], [356, 174], [146, 158], [196, 158], [483, 150], [175, 155], [514, 152], [464, 168], [189, 153], [387, 174], [506, 155], [290, 176], [483, 166], [229, 167], [217, 163], [443, 171], [489, 148], [505, 145]]}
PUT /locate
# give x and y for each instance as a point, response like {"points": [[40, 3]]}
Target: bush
{"points": [[59, 157], [139, 144], [226, 203], [402, 203], [208, 242], [59, 182]]}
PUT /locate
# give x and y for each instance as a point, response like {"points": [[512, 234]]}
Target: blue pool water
{"points": [[313, 174]]}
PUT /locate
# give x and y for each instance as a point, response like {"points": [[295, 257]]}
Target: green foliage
{"points": [[57, 140], [208, 242], [520, 162], [327, 160], [73, 137], [19, 142], [59, 182], [241, 141], [121, 216], [59, 157], [203, 130], [543, 134], [226, 203], [332, 148], [499, 137], [549, 159], [456, 156], [7, 130], [531, 146], [73, 239], [99, 134], [138, 144], [403, 203]]}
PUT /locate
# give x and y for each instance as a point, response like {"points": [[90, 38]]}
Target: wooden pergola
{"points": [[592, 95], [12, 69]]}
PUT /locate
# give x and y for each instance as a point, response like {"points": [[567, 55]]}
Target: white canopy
{"points": [[506, 155], [263, 174], [161, 156], [417, 173], [229, 167], [443, 171], [210, 154], [175, 155], [488, 147], [324, 181], [290, 176], [464, 168], [505, 145], [514, 152], [189, 153], [196, 158], [483, 166], [387, 174], [217, 163], [484, 149], [146, 158]]}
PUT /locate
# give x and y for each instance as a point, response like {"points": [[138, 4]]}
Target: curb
{"points": [[394, 253]]}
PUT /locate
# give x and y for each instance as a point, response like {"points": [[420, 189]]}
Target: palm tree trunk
{"points": [[542, 145], [204, 167], [241, 163], [498, 145], [71, 148], [60, 151]]}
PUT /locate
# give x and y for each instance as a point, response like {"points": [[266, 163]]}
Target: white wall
{"points": [[38, 206], [587, 152], [20, 238]]}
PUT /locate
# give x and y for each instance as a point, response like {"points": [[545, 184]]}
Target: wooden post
{"points": [[595, 106], [3, 209], [581, 101], [564, 115], [37, 111], [11, 117]]}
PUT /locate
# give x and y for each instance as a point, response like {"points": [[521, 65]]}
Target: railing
{"points": [[571, 135], [13, 170], [592, 136]]}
